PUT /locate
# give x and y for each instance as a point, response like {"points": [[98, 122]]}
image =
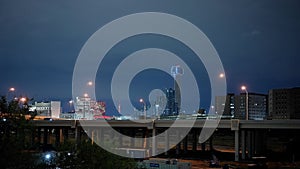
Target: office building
{"points": [[50, 109], [171, 108], [225, 105], [257, 106], [88, 109], [284, 103], [177, 72]]}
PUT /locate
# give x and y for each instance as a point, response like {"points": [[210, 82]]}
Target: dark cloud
{"points": [[40, 40]]}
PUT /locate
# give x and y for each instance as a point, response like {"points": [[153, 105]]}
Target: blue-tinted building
{"points": [[171, 105]]}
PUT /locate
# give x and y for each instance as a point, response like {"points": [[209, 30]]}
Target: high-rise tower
{"points": [[177, 72]]}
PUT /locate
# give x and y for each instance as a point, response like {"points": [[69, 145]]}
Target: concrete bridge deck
{"points": [[248, 135], [243, 124]]}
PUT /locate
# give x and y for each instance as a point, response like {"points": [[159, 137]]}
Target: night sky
{"points": [[257, 41]]}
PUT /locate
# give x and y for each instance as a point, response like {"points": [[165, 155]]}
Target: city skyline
{"points": [[40, 42]]}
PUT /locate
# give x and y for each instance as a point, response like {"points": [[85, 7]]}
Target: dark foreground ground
{"points": [[273, 160]]}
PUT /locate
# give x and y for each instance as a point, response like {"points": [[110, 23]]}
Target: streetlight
{"points": [[156, 110], [12, 89], [85, 104], [23, 99], [90, 83], [145, 113], [247, 101], [221, 75], [70, 104]]}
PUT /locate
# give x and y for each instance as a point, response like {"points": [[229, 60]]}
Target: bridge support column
{"points": [[39, 135], [132, 134], [252, 143], [185, 144], [153, 142], [249, 144], [99, 135], [57, 136], [178, 146], [203, 146], [45, 140], [195, 140], [33, 134], [243, 142], [167, 144], [236, 145], [259, 142], [77, 136], [235, 126], [93, 136], [120, 138], [65, 134], [61, 136], [211, 147], [145, 135]]}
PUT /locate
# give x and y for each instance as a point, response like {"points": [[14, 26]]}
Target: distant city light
{"points": [[244, 88], [71, 102], [85, 95]]}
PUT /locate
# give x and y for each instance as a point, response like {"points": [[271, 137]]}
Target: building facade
{"points": [[177, 72], [50, 109], [284, 103], [88, 109], [257, 106], [171, 108], [225, 105]]}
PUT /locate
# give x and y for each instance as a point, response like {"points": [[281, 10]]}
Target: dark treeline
{"points": [[18, 149]]}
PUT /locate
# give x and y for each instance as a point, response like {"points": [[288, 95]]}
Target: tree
{"points": [[90, 155], [14, 147], [3, 105]]}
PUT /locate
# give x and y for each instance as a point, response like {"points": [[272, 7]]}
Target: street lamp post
{"points": [[90, 83], [145, 112], [156, 110], [70, 104], [10, 90], [247, 101], [85, 106]]}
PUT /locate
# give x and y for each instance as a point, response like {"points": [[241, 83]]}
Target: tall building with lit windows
{"points": [[171, 108], [86, 108], [82, 108], [177, 72], [284, 103], [257, 106], [225, 105], [50, 109]]}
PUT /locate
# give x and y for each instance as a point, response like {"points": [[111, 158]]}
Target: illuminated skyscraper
{"points": [[171, 108], [257, 106], [177, 72], [225, 105]]}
